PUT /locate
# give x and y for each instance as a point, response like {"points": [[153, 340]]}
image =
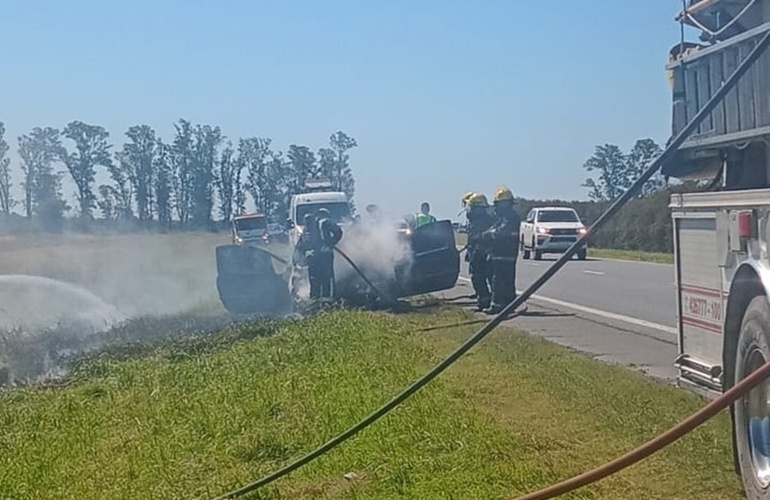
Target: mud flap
{"points": [[435, 262], [247, 282]]}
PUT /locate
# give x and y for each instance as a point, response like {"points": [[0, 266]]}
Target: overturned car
{"points": [[399, 263]]}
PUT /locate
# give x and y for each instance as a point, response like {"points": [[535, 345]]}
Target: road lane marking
{"points": [[598, 312], [596, 273]]}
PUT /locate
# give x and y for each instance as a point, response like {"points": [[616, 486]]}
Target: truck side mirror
{"points": [[289, 224]]}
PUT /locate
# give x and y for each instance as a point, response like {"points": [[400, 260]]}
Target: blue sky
{"points": [[442, 96]]}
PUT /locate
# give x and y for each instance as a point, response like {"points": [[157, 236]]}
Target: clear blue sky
{"points": [[442, 96]]}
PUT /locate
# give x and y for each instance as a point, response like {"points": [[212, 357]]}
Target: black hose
{"points": [[360, 273], [451, 325], [271, 254], [506, 312]]}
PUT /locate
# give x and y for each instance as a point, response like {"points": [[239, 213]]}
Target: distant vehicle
{"points": [[335, 202], [250, 229], [551, 230]]}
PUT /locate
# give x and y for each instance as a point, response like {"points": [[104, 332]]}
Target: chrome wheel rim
{"points": [[756, 406]]}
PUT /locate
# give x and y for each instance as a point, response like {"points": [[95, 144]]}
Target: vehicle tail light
{"points": [[745, 224]]}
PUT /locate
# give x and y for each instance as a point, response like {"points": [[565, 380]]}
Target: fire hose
{"points": [[271, 254], [360, 273], [682, 428], [624, 461]]}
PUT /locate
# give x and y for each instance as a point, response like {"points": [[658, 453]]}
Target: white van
{"points": [[310, 203]]}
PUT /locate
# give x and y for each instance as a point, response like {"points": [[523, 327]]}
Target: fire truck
{"points": [[721, 230]]}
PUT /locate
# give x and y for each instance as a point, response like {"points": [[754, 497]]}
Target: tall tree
{"points": [[182, 161], [91, 150], [6, 199], [137, 161], [302, 163], [205, 151], [327, 164], [239, 192], [341, 143], [638, 160], [277, 185], [110, 199], [610, 163], [42, 185], [225, 182], [163, 183], [253, 156]]}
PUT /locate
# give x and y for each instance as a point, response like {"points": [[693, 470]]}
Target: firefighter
{"points": [[503, 241], [423, 217], [330, 234], [477, 254], [307, 251], [467, 198]]}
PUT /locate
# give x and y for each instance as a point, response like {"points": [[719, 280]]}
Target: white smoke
{"points": [[376, 247]]}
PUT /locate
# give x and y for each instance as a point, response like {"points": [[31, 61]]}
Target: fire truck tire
{"points": [[751, 414]]}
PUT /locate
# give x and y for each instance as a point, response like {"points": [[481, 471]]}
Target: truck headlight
{"points": [[542, 230], [582, 231]]}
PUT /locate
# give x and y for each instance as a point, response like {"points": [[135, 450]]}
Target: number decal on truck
{"points": [[702, 308]]}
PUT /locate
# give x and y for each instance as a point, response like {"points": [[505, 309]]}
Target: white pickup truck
{"points": [[551, 230]]}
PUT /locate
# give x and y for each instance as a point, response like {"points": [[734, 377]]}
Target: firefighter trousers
{"points": [[481, 272], [321, 274], [503, 281]]}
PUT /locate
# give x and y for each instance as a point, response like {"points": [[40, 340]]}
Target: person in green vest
{"points": [[423, 217]]}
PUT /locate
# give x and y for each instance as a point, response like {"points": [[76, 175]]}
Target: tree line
{"points": [[198, 179], [644, 224]]}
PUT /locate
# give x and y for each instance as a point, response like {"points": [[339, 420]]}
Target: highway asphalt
{"points": [[616, 311], [639, 290]]}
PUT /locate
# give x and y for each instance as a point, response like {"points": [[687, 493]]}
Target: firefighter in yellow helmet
{"points": [[503, 242], [477, 255], [466, 198]]}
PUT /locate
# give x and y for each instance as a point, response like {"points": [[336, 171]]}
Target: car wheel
{"points": [[524, 251], [751, 413], [538, 255], [582, 254]]}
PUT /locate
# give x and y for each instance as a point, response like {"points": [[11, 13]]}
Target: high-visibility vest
{"points": [[421, 219]]}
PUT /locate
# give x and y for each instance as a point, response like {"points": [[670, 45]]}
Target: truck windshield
{"points": [[557, 216], [250, 224], [338, 210]]}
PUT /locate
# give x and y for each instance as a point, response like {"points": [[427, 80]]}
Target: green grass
{"points": [[196, 417], [633, 255], [608, 253]]}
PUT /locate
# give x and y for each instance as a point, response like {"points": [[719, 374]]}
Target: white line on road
{"points": [[597, 273], [599, 312]]}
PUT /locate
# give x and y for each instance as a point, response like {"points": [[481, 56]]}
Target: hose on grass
{"points": [[508, 310], [659, 442]]}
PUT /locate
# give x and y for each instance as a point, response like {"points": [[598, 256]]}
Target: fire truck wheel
{"points": [[751, 422]]}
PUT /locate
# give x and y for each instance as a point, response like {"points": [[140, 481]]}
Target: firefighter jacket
{"points": [[503, 236]]}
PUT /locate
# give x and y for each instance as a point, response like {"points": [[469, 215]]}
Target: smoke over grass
{"points": [[59, 295], [137, 274]]}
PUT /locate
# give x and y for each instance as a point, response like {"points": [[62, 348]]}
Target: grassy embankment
{"points": [[609, 253], [196, 417]]}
